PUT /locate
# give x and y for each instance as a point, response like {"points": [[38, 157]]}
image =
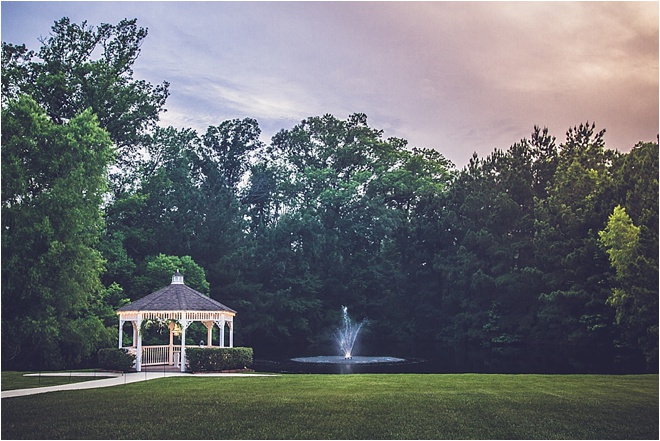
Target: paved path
{"points": [[114, 380]]}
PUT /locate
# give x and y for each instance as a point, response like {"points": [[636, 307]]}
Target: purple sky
{"points": [[457, 77]]}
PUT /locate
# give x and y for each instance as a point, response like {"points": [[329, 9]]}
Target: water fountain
{"points": [[345, 338]]}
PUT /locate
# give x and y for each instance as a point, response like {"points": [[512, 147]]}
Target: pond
{"points": [[495, 361]]}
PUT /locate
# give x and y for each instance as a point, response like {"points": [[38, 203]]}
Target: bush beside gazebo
{"points": [[219, 359]]}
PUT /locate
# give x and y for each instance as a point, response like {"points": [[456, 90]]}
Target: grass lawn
{"points": [[364, 406], [12, 380]]}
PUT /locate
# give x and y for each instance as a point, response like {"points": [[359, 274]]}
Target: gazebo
{"points": [[176, 306]]}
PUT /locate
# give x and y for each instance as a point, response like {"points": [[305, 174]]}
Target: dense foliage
{"points": [[53, 179], [545, 247], [218, 359], [116, 359]]}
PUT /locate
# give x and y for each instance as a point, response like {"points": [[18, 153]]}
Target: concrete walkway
{"points": [[114, 379]]}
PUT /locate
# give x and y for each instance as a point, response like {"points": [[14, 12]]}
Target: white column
{"points": [[222, 333], [209, 333], [135, 334], [184, 325], [121, 332], [231, 334], [170, 354], [182, 357], [138, 354]]}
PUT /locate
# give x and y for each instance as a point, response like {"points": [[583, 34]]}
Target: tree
{"points": [[621, 241], [53, 179], [490, 271], [345, 199], [573, 308], [229, 147], [81, 67], [82, 79], [633, 254], [262, 198], [159, 269]]}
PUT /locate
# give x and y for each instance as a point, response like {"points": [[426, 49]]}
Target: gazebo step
{"points": [[160, 368]]}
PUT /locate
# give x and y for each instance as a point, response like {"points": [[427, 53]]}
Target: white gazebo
{"points": [[176, 306]]}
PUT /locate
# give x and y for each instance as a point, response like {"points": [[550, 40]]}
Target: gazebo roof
{"points": [[176, 297]]}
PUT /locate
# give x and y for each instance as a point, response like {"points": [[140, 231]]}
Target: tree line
{"points": [[546, 246]]}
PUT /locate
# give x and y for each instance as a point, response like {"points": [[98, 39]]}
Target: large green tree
{"points": [[630, 239], [574, 312], [491, 275], [159, 269], [80, 83], [81, 67], [53, 179]]}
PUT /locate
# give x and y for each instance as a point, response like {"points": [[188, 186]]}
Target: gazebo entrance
{"points": [[177, 307]]}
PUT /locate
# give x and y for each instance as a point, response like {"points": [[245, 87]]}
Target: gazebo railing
{"points": [[152, 355], [157, 355], [160, 354]]}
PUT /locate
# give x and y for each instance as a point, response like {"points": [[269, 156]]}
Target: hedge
{"points": [[116, 359], [218, 359]]}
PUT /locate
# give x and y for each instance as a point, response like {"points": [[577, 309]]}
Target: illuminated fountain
{"points": [[345, 339], [346, 336]]}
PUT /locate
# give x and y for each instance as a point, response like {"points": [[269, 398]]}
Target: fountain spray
{"points": [[346, 336]]}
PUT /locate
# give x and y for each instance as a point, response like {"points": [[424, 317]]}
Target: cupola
{"points": [[177, 278]]}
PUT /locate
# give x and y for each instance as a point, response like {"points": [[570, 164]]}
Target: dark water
{"points": [[510, 361], [293, 367]]}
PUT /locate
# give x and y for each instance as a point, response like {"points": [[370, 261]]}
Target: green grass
{"points": [[361, 406], [12, 380]]}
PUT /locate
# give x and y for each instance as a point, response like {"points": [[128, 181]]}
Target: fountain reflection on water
{"points": [[345, 338]]}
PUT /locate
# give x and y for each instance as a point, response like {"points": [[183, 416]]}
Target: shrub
{"points": [[116, 359], [218, 359]]}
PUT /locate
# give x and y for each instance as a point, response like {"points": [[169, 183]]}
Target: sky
{"points": [[458, 77]]}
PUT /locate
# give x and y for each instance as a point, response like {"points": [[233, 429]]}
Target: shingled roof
{"points": [[176, 297]]}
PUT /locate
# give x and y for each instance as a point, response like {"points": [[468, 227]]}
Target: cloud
{"points": [[456, 76]]}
